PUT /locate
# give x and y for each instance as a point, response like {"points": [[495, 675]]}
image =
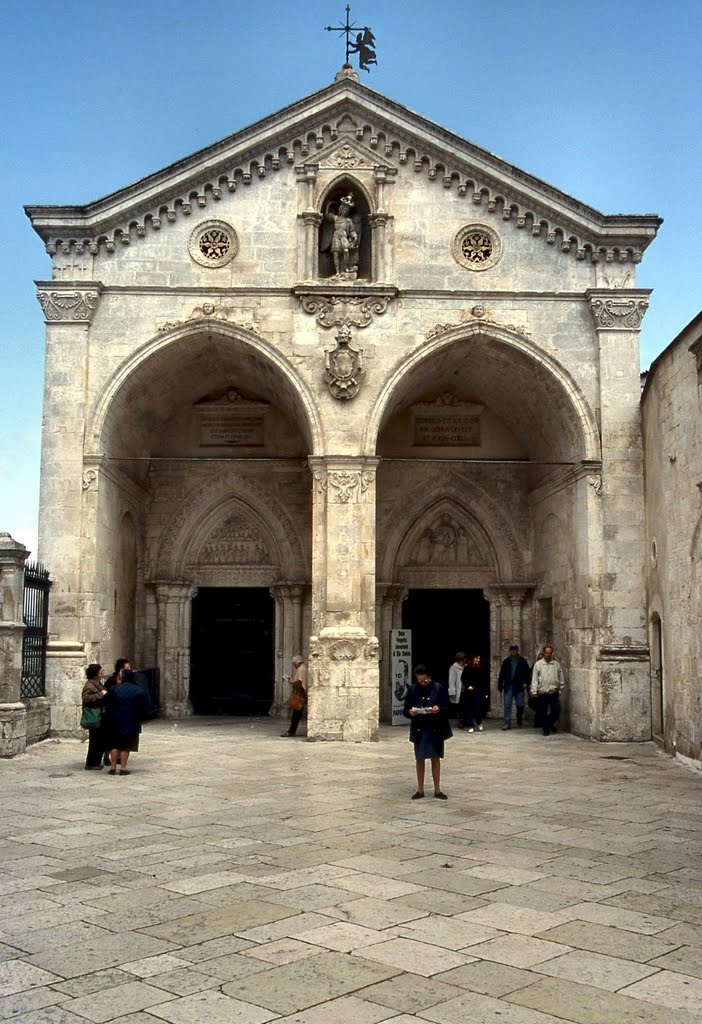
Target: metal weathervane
{"points": [[364, 45]]}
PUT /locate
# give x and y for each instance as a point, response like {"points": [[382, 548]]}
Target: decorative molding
{"points": [[479, 314], [335, 309], [618, 314], [209, 311], [344, 650], [344, 371], [89, 478], [595, 481], [67, 302]]}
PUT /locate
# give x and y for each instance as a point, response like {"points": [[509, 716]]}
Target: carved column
{"points": [[13, 713], [623, 684], [343, 698], [309, 269], [288, 637], [500, 610], [378, 222], [69, 308], [173, 619]]}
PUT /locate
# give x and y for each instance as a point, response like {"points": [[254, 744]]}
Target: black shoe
{"points": [[418, 796], [505, 727], [440, 796], [112, 771]]}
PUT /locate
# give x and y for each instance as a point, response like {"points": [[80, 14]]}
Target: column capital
{"points": [[69, 302], [342, 477], [621, 310], [287, 591], [172, 590]]}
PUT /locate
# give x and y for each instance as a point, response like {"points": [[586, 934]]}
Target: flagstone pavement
{"points": [[237, 878]]}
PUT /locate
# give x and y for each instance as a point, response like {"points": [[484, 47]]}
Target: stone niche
{"points": [[231, 421], [446, 422]]}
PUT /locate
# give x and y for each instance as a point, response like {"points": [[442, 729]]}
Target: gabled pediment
{"points": [[345, 126]]}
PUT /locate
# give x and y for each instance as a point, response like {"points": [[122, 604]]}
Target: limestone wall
{"points": [[673, 463]]}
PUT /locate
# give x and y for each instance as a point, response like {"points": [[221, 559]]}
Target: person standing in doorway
{"points": [[298, 697], [426, 706], [474, 694], [547, 684], [454, 682], [512, 683]]}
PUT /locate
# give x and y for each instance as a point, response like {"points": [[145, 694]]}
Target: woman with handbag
{"points": [[92, 717], [298, 697]]}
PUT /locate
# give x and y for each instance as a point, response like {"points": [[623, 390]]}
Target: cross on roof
{"points": [[364, 45]]}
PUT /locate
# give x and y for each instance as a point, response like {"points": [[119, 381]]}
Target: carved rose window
{"points": [[476, 247], [213, 244]]}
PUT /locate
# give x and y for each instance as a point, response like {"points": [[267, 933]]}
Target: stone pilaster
{"points": [[173, 618], [13, 713], [309, 247], [344, 651], [69, 308], [378, 222], [389, 598], [623, 698]]}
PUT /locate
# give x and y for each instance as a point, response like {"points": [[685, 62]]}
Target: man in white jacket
{"points": [[547, 684], [454, 679]]}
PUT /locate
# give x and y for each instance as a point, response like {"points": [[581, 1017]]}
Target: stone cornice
{"points": [[68, 302], [567, 476], [316, 124], [96, 465], [618, 311]]}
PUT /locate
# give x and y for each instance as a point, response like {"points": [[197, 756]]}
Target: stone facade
{"points": [[673, 465], [13, 712], [457, 407]]}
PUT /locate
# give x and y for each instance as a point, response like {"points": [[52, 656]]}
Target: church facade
{"points": [[340, 373]]}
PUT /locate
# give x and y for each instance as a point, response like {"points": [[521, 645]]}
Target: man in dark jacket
{"points": [[512, 682]]}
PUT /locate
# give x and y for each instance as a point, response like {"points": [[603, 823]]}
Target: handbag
{"points": [[296, 701], [91, 718]]}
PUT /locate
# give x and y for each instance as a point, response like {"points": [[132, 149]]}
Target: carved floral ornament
{"points": [[344, 649], [75, 306], [618, 314], [476, 247], [213, 244]]}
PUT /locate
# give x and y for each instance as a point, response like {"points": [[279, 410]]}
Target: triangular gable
{"points": [[345, 120]]}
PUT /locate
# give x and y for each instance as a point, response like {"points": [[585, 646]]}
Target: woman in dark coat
{"points": [[126, 705], [93, 697], [427, 705]]}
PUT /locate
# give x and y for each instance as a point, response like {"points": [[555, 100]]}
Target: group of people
{"points": [[113, 710], [519, 684], [427, 703]]}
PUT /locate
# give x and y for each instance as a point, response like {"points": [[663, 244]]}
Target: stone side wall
{"points": [[673, 462]]}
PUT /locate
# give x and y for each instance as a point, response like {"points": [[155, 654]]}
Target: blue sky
{"points": [[601, 100]]}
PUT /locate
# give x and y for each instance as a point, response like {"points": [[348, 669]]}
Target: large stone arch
{"points": [[578, 422], [294, 394]]}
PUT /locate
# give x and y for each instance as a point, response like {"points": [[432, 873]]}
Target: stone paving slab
{"points": [[208, 887]]}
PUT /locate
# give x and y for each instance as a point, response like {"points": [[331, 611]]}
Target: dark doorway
{"points": [[232, 666], [446, 621]]}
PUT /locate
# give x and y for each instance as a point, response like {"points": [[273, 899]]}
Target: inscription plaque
{"points": [[447, 430], [233, 430]]}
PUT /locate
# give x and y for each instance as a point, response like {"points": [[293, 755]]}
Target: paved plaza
{"points": [[237, 878]]}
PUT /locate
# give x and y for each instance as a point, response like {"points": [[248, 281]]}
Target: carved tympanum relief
{"points": [[213, 244], [446, 542], [238, 541]]}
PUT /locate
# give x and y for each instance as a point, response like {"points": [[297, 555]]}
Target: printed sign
{"points": [[400, 671]]}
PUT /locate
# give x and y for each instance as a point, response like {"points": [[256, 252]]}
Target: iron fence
{"points": [[36, 618]]}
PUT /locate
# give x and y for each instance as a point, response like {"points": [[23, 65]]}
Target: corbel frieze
{"points": [[336, 309], [618, 314], [66, 302]]}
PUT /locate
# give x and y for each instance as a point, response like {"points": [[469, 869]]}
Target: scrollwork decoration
{"points": [[618, 314], [344, 310], [344, 484], [68, 307]]}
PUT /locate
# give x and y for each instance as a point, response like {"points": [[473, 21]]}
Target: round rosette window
{"points": [[476, 247], [213, 244]]}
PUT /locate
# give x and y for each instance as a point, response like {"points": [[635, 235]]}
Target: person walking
{"points": [[454, 682], [93, 699], [547, 684], [426, 705], [126, 706], [298, 697], [512, 682], [474, 700]]}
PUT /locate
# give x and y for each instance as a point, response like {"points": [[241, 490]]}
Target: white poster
{"points": [[400, 671]]}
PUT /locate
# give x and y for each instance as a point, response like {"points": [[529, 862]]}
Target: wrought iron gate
{"points": [[36, 617]]}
